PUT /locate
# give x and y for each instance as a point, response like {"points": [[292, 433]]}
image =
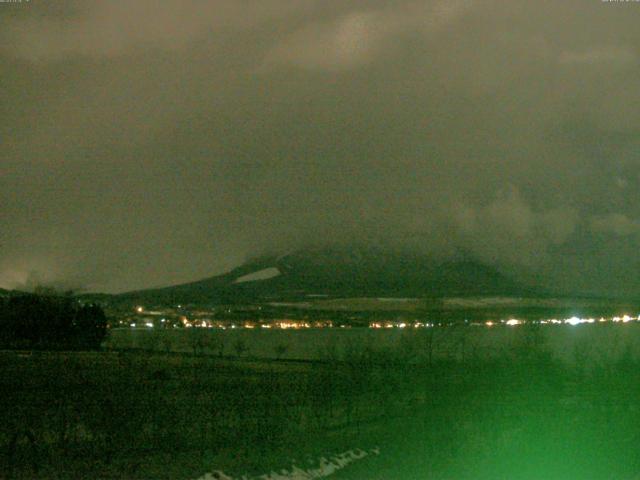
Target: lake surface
{"points": [[569, 343]]}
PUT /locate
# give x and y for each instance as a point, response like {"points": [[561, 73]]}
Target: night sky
{"points": [[148, 143]]}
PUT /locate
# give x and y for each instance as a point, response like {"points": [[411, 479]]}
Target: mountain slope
{"points": [[344, 272]]}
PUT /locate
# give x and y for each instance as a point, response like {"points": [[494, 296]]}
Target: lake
{"points": [[567, 342]]}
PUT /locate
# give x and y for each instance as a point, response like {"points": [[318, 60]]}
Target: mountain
{"points": [[338, 272]]}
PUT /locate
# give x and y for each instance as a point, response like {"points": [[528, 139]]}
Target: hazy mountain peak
{"points": [[344, 271]]}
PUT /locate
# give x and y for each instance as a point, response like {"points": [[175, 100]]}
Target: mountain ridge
{"points": [[346, 272]]}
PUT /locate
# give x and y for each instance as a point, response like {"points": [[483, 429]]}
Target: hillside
{"points": [[344, 272]]}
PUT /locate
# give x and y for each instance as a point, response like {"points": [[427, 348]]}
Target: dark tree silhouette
{"points": [[50, 321], [90, 326]]}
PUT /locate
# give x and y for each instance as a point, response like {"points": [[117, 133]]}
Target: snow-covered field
{"points": [[323, 467]]}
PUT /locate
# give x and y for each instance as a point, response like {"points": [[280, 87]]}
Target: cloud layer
{"points": [[148, 143]]}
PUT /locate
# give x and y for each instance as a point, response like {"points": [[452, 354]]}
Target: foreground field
{"points": [[109, 415], [523, 414]]}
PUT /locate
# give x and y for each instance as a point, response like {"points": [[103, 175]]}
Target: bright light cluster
{"points": [[377, 325], [573, 321], [286, 324], [298, 324]]}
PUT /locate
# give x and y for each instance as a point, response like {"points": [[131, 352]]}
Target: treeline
{"points": [[47, 320]]}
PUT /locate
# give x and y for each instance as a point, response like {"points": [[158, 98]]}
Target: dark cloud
{"points": [[147, 143]]}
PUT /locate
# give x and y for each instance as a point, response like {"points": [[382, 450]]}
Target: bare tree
{"points": [[198, 340], [280, 350], [218, 344], [240, 346]]}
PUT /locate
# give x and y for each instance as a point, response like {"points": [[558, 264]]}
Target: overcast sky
{"points": [[148, 143]]}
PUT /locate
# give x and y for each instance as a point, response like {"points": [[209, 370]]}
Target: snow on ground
{"points": [[325, 467], [480, 302], [392, 299], [291, 304], [263, 274]]}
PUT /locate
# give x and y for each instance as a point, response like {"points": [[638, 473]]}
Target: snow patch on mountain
{"points": [[263, 274]]}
